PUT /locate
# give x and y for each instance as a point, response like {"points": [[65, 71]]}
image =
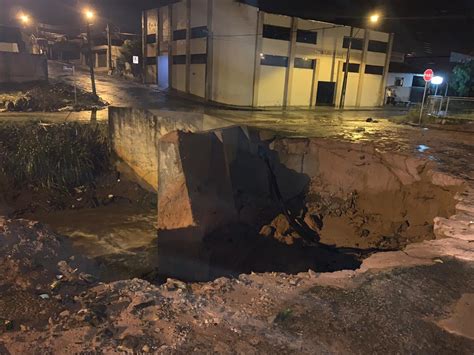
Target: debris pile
{"points": [[50, 98]]}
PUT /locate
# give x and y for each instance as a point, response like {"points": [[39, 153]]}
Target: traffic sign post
{"points": [[427, 76]]}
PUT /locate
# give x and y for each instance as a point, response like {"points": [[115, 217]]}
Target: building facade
{"points": [[232, 53]]}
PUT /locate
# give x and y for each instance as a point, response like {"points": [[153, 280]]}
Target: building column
{"points": [[188, 46], [362, 68], [385, 70], [209, 50], [144, 44], [314, 83], [258, 51], [170, 46], [291, 63], [158, 37]]}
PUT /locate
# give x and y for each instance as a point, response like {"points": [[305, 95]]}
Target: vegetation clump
{"points": [[53, 156]]}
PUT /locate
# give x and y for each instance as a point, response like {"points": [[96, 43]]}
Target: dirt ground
{"points": [[52, 305]]}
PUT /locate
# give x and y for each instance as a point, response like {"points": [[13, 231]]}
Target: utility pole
{"points": [[346, 70], [91, 63], [109, 47]]}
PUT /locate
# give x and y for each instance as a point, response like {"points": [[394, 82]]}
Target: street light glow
{"points": [[89, 14], [24, 18], [437, 80], [374, 18]]}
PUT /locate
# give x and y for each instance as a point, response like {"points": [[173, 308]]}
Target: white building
{"points": [[232, 53]]}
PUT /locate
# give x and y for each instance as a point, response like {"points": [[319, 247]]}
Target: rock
{"points": [[313, 222], [130, 342], [9, 106], [146, 349], [172, 285], [281, 225], [21, 104], [267, 231], [44, 296], [311, 273], [65, 313], [370, 119]]}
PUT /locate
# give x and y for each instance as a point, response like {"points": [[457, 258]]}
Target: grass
{"points": [[59, 156]]}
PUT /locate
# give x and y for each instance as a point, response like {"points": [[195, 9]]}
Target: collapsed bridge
{"points": [[229, 196]]}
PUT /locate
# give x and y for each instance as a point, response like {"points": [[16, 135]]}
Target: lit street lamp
{"points": [[437, 80], [24, 19], [374, 18], [89, 16]]}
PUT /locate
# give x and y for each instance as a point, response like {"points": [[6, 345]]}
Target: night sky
{"points": [[436, 25]]}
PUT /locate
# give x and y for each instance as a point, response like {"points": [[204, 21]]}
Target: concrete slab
{"points": [[194, 198]]}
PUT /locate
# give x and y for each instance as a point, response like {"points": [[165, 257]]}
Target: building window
{"points": [[353, 68], [304, 36], [199, 32], [179, 59], [374, 69], [377, 46], [273, 60], [179, 35], [357, 43], [198, 58], [151, 38], [150, 60], [399, 81], [276, 32], [304, 63]]}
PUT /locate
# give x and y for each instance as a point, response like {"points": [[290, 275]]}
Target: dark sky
{"points": [[436, 25]]}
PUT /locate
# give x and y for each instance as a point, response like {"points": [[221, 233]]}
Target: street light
{"points": [[90, 15], [374, 18], [25, 19], [437, 80]]}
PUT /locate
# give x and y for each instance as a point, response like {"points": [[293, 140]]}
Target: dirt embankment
{"points": [[48, 303], [49, 97]]}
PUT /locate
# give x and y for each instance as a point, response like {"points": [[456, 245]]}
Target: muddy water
{"points": [[122, 238]]}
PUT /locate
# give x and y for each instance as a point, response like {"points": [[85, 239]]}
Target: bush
{"points": [[59, 156]]}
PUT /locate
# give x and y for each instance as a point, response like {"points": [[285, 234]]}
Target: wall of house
{"points": [[402, 92], [22, 68], [9, 47], [178, 46], [231, 59], [151, 49]]}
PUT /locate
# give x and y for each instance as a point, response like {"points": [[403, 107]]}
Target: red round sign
{"points": [[428, 74]]}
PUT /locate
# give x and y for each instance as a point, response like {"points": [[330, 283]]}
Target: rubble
{"points": [[50, 98]]}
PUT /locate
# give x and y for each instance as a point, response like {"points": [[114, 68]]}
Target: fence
{"points": [[450, 106]]}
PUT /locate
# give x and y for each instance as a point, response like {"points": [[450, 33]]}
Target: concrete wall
{"points": [[22, 67], [233, 62], [135, 135], [402, 92], [9, 47]]}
